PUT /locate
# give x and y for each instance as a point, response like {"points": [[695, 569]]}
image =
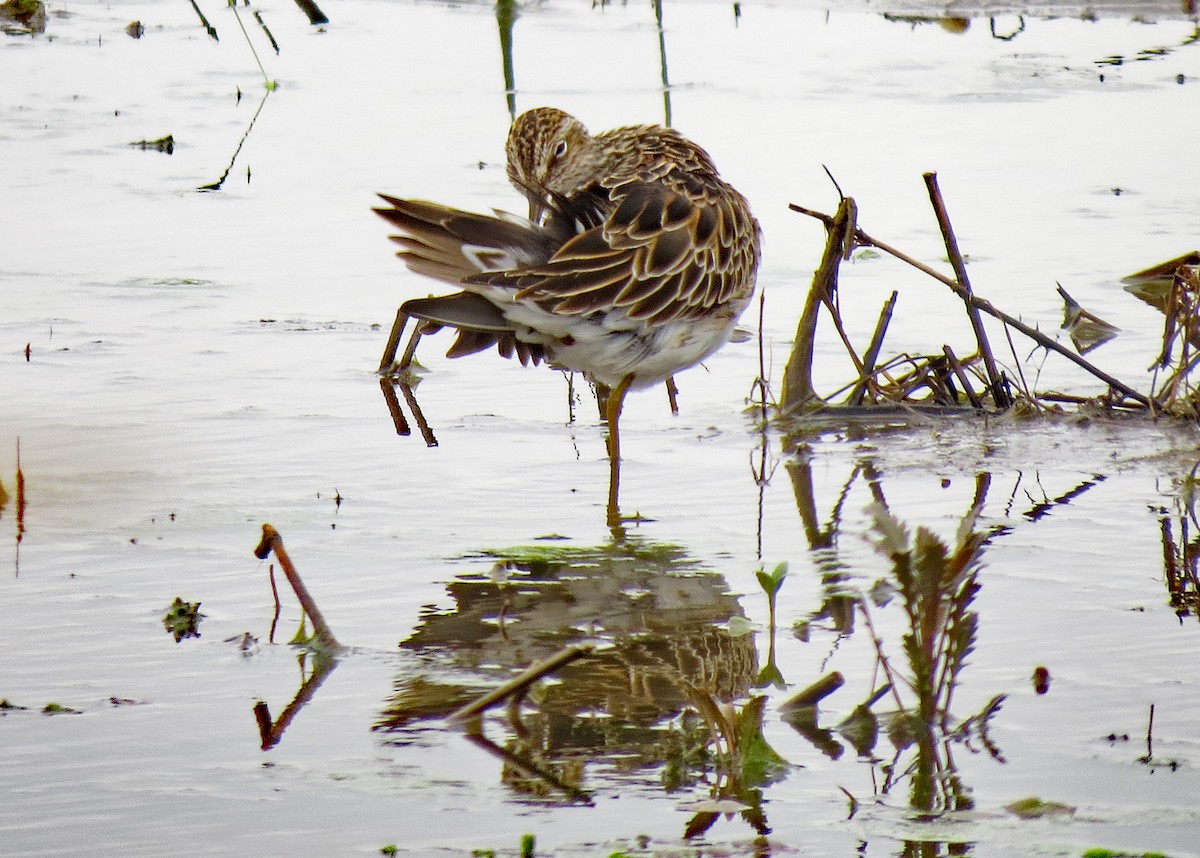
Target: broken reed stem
{"points": [[272, 541], [520, 683], [962, 376], [798, 390], [278, 606], [985, 306], [999, 395], [1012, 348], [762, 358], [873, 349]]}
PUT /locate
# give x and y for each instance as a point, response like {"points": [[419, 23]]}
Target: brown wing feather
{"points": [[433, 238], [663, 253]]}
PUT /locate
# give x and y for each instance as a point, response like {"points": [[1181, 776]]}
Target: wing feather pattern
{"points": [[666, 251]]}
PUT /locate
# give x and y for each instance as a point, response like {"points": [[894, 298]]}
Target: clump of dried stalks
{"points": [[943, 380]]}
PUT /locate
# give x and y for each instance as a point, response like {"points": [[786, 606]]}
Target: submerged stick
{"points": [[985, 306], [520, 683], [272, 541], [999, 395]]}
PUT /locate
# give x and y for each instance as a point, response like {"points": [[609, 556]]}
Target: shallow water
{"points": [[202, 362]]}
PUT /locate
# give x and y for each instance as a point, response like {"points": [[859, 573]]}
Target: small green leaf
{"points": [[771, 582]]}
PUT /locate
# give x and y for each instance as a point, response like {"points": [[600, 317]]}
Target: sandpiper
{"points": [[634, 263]]}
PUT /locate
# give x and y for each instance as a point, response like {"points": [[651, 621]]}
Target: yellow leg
{"points": [[616, 400]]}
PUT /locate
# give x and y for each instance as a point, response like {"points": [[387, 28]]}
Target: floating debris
{"points": [[30, 14], [162, 144], [1033, 807], [59, 709], [182, 619]]}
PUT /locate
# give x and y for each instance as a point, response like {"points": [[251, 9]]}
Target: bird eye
{"points": [[561, 149]]}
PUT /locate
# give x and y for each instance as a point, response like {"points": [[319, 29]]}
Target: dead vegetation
{"points": [[942, 380]]}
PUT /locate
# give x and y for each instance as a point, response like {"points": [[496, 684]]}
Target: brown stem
{"points": [[798, 388], [962, 376], [995, 382], [272, 541], [873, 349]]}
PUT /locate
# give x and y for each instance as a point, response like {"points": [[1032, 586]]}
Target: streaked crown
{"points": [[549, 150]]}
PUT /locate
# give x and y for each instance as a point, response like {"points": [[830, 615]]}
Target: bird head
{"points": [[550, 154]]}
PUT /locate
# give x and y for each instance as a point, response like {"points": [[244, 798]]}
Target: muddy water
{"points": [[202, 362]]}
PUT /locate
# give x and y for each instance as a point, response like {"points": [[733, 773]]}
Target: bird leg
{"points": [[387, 363], [393, 343], [616, 399], [411, 349], [672, 394]]}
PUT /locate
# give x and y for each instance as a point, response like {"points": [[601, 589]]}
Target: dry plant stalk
{"points": [[1181, 330], [272, 541]]}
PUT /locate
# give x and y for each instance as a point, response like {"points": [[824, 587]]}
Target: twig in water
{"points": [[274, 44], [873, 349], [204, 21], [278, 607], [216, 186], [272, 541], [798, 390], [962, 376], [999, 394]]}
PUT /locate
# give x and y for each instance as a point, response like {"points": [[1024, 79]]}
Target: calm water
{"points": [[202, 362]]}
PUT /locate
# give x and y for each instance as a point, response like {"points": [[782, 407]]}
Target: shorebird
{"points": [[634, 263]]}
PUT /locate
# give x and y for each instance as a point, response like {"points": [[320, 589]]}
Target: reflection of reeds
{"points": [[506, 16], [936, 585], [1181, 554]]}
